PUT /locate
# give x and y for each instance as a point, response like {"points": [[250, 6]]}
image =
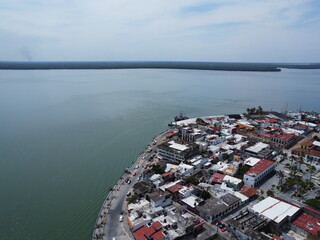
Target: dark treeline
{"points": [[263, 67]]}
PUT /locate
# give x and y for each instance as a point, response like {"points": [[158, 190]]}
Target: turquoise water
{"points": [[67, 135]]}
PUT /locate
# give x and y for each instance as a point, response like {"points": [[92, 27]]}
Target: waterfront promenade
{"points": [[107, 224]]}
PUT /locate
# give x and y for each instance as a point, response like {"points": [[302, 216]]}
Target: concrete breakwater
{"points": [[117, 193]]}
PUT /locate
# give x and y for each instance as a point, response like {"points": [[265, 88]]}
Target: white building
{"points": [[251, 161], [160, 199], [232, 182], [275, 210], [198, 161], [260, 149], [184, 170], [177, 152], [259, 172]]}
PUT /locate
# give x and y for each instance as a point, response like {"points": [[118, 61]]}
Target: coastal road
{"points": [[113, 227]]}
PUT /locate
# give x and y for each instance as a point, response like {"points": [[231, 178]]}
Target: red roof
{"points": [[260, 167], [263, 134], [272, 120], [143, 233], [217, 177], [283, 136], [249, 191], [170, 134], [215, 128], [156, 225], [309, 223], [174, 188], [276, 238], [167, 174], [315, 153], [158, 235]]}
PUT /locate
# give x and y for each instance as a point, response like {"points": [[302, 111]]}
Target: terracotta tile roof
{"points": [[143, 233], [315, 153], [158, 235], [284, 136], [156, 225], [217, 177], [175, 188], [259, 167], [307, 222], [248, 191], [267, 135], [167, 174]]}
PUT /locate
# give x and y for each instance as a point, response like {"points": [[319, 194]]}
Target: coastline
{"points": [[115, 206], [99, 228], [101, 222]]}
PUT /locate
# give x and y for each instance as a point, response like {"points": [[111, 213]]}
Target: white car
{"points": [[120, 218]]}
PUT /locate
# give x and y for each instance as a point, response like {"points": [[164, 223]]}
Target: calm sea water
{"points": [[67, 135]]}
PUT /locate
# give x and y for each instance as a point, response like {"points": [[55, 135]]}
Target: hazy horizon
{"points": [[284, 31]]}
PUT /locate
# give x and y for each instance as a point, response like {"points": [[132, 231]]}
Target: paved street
{"points": [[111, 226]]}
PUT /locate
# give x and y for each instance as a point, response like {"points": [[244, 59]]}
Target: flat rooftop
{"points": [[274, 209], [177, 146], [251, 161], [316, 143], [257, 147]]}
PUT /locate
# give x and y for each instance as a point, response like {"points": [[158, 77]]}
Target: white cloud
{"points": [[222, 30]]}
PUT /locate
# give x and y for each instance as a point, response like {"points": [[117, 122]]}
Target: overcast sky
{"points": [[187, 30]]}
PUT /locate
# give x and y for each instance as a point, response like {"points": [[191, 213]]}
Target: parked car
{"points": [[221, 226], [218, 223], [134, 173], [120, 218], [223, 229]]}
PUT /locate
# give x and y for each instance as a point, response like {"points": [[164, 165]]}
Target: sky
{"points": [[160, 30]]}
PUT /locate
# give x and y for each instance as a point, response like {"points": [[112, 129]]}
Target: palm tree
{"points": [[300, 161], [291, 158], [309, 159], [312, 169], [280, 175], [300, 184]]}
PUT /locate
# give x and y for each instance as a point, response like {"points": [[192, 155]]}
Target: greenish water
{"points": [[67, 135]]}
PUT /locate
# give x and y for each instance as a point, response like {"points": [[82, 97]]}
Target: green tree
{"points": [[204, 194], [270, 193], [192, 180], [315, 203], [200, 121], [157, 169], [312, 169], [132, 198]]}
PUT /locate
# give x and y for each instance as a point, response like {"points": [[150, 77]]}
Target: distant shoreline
{"points": [[219, 66]]}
